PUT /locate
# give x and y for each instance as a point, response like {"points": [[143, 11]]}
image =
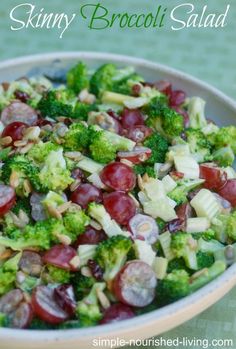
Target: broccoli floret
{"points": [[23, 170], [54, 174], [75, 223], [124, 85], [196, 111], [77, 77], [199, 145], [76, 138], [111, 255], [38, 324], [22, 204], [81, 110], [88, 310], [206, 235], [40, 235], [69, 324], [159, 147], [7, 280], [101, 80], [3, 320], [104, 144], [82, 285], [178, 195], [164, 119], [141, 169], [56, 275], [176, 264], [102, 150], [224, 156], [183, 245], [225, 226], [226, 136], [204, 260], [40, 151], [173, 287], [52, 106], [4, 153]]}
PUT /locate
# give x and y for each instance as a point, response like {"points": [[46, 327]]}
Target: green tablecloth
{"points": [[208, 54]]}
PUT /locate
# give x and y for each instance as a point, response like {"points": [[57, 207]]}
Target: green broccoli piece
{"points": [[69, 325], [77, 77], [179, 195], [226, 136], [173, 287], [51, 105], [3, 320], [40, 151], [76, 138], [224, 156], [4, 153], [159, 147], [23, 169], [40, 235], [124, 85], [183, 245], [54, 175], [7, 281], [38, 324], [75, 223], [88, 310], [102, 150], [164, 119], [111, 255], [56, 275], [81, 110], [176, 264], [204, 260], [199, 145], [206, 235], [104, 144], [22, 204], [101, 80], [141, 169], [210, 246], [82, 285]]}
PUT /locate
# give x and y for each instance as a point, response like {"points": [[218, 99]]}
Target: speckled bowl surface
{"points": [[219, 108]]}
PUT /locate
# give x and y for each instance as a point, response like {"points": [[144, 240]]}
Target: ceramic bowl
{"points": [[219, 108]]}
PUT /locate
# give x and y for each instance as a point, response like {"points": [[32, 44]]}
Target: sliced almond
{"points": [[31, 133], [25, 149], [53, 212], [5, 254], [14, 179], [23, 216], [140, 183], [64, 239], [104, 301], [27, 187], [137, 204], [86, 97], [75, 262], [74, 155], [75, 185], [85, 271], [95, 225], [127, 162], [6, 140], [20, 143], [64, 207], [198, 273]]}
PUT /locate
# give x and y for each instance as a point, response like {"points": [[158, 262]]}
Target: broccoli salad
{"points": [[117, 197]]}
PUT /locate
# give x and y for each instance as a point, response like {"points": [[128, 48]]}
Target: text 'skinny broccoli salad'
{"points": [[117, 197]]}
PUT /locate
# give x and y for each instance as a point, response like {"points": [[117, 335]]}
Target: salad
{"points": [[117, 197]]}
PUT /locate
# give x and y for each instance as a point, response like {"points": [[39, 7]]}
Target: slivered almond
{"points": [[74, 155], [95, 225], [53, 212], [27, 186], [140, 183], [85, 271], [104, 301], [75, 262], [137, 204], [64, 239], [16, 220], [86, 97], [127, 162], [23, 216], [75, 185], [20, 143], [5, 140], [6, 254], [198, 273], [31, 133], [25, 149], [64, 207], [14, 179]]}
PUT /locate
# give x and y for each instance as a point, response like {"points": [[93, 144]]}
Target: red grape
{"points": [[164, 87], [214, 176], [31, 263], [91, 236], [177, 98], [118, 176], [96, 270], [10, 301], [18, 111], [144, 227], [85, 194], [117, 312], [131, 117], [120, 206], [135, 284], [14, 130], [22, 96], [228, 191], [78, 174], [60, 256], [65, 298], [7, 198], [22, 316], [136, 156], [46, 307]]}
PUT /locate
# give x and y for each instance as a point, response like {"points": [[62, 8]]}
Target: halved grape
{"points": [[7, 198], [118, 176], [120, 206], [60, 256], [144, 227], [85, 194], [117, 312]]}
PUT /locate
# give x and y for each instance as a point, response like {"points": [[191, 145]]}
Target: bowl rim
{"points": [[228, 278]]}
